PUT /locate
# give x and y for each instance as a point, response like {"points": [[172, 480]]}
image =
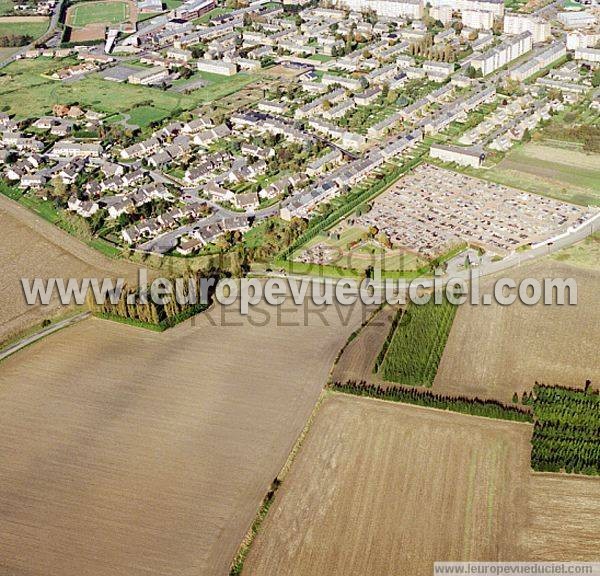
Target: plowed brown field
{"points": [[494, 351], [126, 452], [381, 488], [32, 247], [358, 358]]}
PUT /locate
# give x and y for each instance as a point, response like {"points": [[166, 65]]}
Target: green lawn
{"points": [[144, 115], [86, 13], [27, 91], [172, 4], [321, 57], [33, 29]]}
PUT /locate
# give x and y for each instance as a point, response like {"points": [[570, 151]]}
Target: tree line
{"points": [[420, 397], [12, 40], [134, 307]]}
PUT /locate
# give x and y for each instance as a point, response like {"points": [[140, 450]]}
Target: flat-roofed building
{"points": [[217, 67]]}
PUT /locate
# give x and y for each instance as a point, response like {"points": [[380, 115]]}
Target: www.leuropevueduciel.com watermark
{"points": [[245, 293]]}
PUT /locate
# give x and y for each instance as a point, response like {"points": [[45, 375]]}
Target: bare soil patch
{"points": [[88, 33], [358, 359], [381, 488], [494, 351], [132, 453], [23, 19]]}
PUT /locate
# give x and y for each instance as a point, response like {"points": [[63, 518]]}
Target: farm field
{"points": [[563, 519], [494, 351], [28, 93], [570, 175], [358, 358], [133, 453], [50, 253], [584, 254], [29, 26], [414, 485], [102, 12]]}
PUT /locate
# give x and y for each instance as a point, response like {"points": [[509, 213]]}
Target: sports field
{"points": [[103, 12]]}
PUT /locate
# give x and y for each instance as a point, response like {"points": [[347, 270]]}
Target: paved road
{"points": [[5, 352]]}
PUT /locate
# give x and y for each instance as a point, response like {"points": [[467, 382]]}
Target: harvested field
{"points": [[563, 518], [358, 359], [381, 488], [494, 351], [130, 453], [570, 175], [49, 252], [23, 19]]}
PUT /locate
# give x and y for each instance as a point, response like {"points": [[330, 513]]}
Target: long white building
{"points": [[389, 8], [503, 54], [588, 54], [494, 6], [551, 54], [518, 23]]}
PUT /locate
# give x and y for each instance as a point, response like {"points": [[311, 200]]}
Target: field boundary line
{"points": [[237, 565], [32, 338], [445, 411]]}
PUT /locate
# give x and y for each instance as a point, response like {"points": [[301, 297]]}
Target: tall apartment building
{"points": [[391, 8], [441, 13], [478, 19], [503, 54], [519, 23], [496, 7]]}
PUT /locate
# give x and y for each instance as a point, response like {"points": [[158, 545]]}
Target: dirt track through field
{"points": [[32, 247], [125, 452]]}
